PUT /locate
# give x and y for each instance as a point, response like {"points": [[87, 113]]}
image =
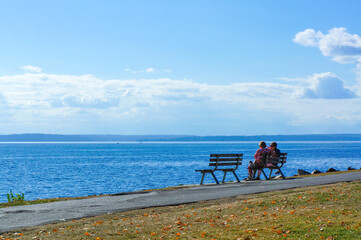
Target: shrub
{"points": [[15, 198]]}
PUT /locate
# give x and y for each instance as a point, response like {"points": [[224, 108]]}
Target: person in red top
{"points": [[259, 160]]}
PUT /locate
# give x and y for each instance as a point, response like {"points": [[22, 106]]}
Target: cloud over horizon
{"points": [[42, 102], [148, 70], [342, 47], [326, 86], [50, 101], [30, 68]]}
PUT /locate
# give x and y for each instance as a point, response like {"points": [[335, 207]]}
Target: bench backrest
{"points": [[264, 157], [280, 160], [220, 161]]}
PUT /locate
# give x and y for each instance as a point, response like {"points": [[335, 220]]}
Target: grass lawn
{"points": [[322, 212]]}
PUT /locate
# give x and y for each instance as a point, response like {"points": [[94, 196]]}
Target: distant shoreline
{"points": [[39, 137], [167, 142]]}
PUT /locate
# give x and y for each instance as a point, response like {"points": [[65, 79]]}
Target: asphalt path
{"points": [[15, 218]]}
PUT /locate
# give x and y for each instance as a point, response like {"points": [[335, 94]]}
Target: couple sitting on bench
{"points": [[260, 159]]}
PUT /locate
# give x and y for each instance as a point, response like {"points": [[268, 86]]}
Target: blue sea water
{"points": [[49, 170]]}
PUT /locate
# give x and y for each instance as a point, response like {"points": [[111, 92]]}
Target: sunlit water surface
{"points": [[48, 170]]}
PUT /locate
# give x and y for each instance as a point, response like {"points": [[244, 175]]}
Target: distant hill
{"points": [[310, 137], [39, 137]]}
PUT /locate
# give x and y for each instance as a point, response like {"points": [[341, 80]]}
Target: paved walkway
{"points": [[14, 218]]}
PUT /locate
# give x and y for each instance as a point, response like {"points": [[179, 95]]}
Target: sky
{"points": [[200, 67]]}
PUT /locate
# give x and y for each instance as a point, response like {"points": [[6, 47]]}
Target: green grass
{"points": [[39, 201], [321, 212]]}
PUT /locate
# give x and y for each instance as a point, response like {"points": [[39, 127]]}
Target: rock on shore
{"points": [[301, 172]]}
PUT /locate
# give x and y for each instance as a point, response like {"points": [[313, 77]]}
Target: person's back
{"points": [[276, 156], [259, 160], [263, 158], [277, 151]]}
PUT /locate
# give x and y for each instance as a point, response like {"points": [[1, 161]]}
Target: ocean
{"points": [[50, 170]]}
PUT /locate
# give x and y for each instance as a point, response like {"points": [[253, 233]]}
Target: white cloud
{"points": [[31, 68], [327, 86], [308, 38], [88, 104], [148, 70], [342, 46]]}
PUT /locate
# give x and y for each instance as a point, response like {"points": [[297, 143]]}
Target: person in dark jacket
{"points": [[273, 146]]}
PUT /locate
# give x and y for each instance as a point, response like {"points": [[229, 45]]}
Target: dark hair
{"points": [[273, 144], [262, 144]]}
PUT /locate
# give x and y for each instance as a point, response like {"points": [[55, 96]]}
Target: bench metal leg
{"points": [[264, 174], [203, 173], [236, 176], [224, 177], [283, 176], [270, 174], [214, 177], [255, 171]]}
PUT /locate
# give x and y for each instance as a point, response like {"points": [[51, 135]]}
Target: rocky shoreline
{"points": [[301, 172]]}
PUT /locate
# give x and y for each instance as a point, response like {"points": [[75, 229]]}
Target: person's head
{"points": [[262, 144], [273, 144]]}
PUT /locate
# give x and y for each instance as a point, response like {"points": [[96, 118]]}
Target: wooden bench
{"points": [[277, 163], [222, 162]]}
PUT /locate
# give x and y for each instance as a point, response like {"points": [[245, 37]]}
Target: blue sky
{"points": [[180, 67]]}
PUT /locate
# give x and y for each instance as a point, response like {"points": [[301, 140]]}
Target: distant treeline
{"points": [[38, 137]]}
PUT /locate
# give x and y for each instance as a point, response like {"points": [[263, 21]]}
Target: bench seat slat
{"points": [[227, 169], [205, 170], [224, 159], [275, 161], [224, 164], [226, 155]]}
